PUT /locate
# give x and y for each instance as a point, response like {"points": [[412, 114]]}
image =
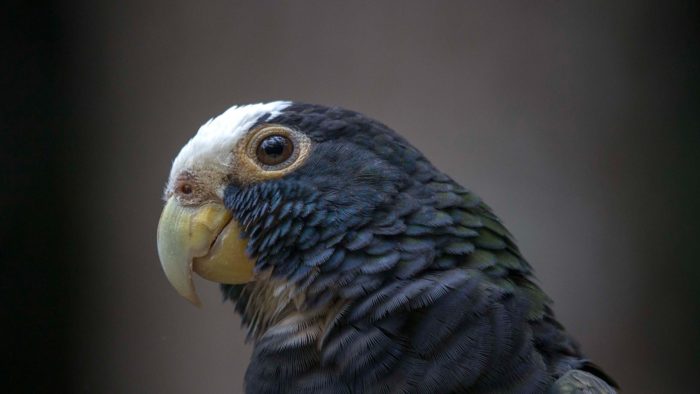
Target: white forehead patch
{"points": [[213, 144]]}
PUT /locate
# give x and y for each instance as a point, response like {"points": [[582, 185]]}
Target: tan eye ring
{"points": [[276, 149]]}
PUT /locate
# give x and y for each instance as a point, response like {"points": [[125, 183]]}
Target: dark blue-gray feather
{"points": [[397, 279]]}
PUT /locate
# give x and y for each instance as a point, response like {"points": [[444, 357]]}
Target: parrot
{"points": [[355, 264]]}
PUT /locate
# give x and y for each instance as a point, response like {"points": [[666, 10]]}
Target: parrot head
{"points": [[268, 191]]}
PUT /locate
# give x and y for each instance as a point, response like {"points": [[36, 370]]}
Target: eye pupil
{"points": [[274, 146], [274, 149]]}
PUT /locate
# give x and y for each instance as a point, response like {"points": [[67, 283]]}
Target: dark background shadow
{"points": [[577, 121]]}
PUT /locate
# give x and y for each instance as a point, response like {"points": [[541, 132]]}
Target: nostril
{"points": [[185, 188]]}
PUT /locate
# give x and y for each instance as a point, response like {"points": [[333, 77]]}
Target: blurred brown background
{"points": [[577, 121]]}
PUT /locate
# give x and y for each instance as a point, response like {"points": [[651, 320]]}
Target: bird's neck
{"points": [[287, 335], [274, 308]]}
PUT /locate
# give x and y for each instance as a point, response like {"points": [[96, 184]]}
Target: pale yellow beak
{"points": [[204, 239]]}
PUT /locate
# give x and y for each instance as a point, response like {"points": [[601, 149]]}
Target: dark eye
{"points": [[274, 149]]}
